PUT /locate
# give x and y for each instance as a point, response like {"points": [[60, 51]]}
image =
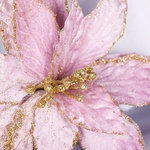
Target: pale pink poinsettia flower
{"points": [[58, 87]]}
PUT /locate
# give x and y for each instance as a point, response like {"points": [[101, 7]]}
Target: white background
{"points": [[135, 40]]}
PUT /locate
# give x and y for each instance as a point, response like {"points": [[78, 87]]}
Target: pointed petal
{"points": [[13, 79], [6, 28], [53, 131], [60, 8], [85, 39], [132, 140], [36, 35], [18, 133], [126, 78], [96, 112]]}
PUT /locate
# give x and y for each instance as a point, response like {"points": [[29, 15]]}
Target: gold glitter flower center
{"points": [[77, 81]]}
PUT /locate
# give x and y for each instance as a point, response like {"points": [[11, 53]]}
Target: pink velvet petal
{"points": [[52, 131], [6, 29], [100, 141], [97, 112], [35, 128], [126, 78], [20, 127], [85, 39], [36, 35], [60, 8], [13, 79]]}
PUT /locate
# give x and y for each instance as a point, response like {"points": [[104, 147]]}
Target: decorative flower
{"points": [[58, 87]]}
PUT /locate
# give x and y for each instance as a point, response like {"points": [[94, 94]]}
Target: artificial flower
{"points": [[58, 87]]}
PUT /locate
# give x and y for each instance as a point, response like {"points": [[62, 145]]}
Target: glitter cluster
{"points": [[77, 81], [11, 132]]}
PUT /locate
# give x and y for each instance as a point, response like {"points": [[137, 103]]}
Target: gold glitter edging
{"points": [[8, 103], [11, 131], [67, 6], [139, 58], [75, 141], [4, 37], [33, 124], [14, 8], [134, 105]]}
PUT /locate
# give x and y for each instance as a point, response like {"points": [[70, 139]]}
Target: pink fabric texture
{"points": [[42, 45], [38, 40], [60, 8], [96, 111], [59, 132], [126, 78], [13, 79], [102, 141]]}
